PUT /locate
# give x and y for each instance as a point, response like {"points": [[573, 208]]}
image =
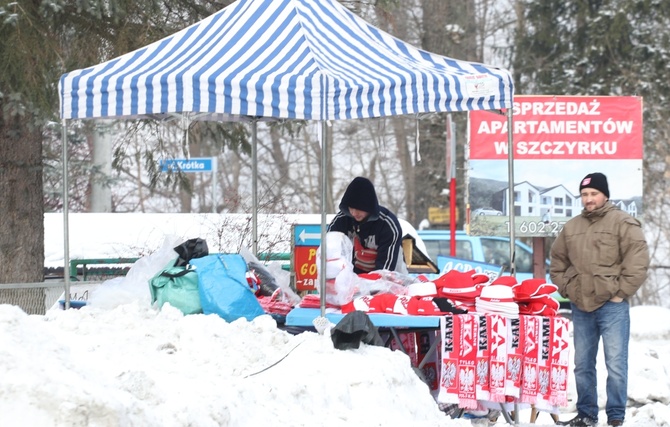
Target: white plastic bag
{"points": [[134, 287], [281, 276], [341, 281], [284, 282]]}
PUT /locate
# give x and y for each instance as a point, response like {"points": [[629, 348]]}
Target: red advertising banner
{"points": [[561, 128], [557, 141]]}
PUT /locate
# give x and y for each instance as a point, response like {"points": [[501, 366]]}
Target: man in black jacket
{"points": [[374, 230]]}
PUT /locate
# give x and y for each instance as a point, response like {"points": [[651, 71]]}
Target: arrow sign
{"points": [[304, 236], [307, 234]]}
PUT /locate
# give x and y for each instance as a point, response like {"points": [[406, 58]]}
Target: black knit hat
{"points": [[361, 195], [596, 181]]}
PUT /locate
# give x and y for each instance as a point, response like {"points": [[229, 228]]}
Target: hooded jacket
{"points": [[599, 255], [380, 231]]}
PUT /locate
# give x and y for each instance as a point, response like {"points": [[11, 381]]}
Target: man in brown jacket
{"points": [[598, 261]]}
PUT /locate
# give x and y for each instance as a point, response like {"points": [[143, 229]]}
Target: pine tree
{"points": [[39, 41], [605, 47]]}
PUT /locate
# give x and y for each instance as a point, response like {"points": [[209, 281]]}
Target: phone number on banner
{"points": [[550, 228]]}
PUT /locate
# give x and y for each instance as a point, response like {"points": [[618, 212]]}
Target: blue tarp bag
{"points": [[224, 289]]}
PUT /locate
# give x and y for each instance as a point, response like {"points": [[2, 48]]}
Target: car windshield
{"points": [[442, 247], [497, 252]]}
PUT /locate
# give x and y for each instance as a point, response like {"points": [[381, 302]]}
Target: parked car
{"points": [[486, 249], [487, 211]]}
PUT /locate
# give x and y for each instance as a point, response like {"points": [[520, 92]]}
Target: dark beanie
{"points": [[596, 181], [361, 195]]}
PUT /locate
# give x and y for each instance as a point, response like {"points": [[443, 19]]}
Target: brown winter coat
{"points": [[599, 255]]}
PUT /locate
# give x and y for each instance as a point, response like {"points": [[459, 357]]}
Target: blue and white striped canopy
{"points": [[284, 59]]}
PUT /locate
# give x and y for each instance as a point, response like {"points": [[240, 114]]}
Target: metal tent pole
{"points": [[510, 200], [512, 239], [66, 230], [324, 195], [254, 184]]}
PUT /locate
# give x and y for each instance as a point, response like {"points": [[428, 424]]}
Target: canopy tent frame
{"points": [[279, 60], [254, 197]]}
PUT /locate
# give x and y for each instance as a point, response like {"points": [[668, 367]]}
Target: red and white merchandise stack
{"points": [[497, 299], [461, 287]]}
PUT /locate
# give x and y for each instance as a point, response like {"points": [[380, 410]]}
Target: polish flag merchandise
{"points": [[506, 281], [361, 303], [497, 356], [488, 354], [533, 337], [559, 361], [460, 286], [387, 303], [449, 333], [497, 299], [423, 306], [533, 288], [314, 301], [542, 306], [422, 289], [491, 358], [544, 366], [482, 390], [407, 345], [534, 297], [383, 303], [467, 361], [401, 304], [515, 350]]}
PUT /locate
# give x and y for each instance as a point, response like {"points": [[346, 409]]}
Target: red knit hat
{"points": [[533, 288], [505, 280], [480, 278], [401, 304], [546, 306], [459, 285], [361, 303], [423, 306], [383, 303]]}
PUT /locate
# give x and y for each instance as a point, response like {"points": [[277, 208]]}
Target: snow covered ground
{"points": [[119, 362], [131, 365]]}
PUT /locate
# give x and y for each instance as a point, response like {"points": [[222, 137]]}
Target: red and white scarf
{"points": [[482, 390], [407, 345], [559, 362], [543, 365], [477, 360], [529, 384], [449, 332], [467, 360], [430, 362], [515, 351], [497, 356]]}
